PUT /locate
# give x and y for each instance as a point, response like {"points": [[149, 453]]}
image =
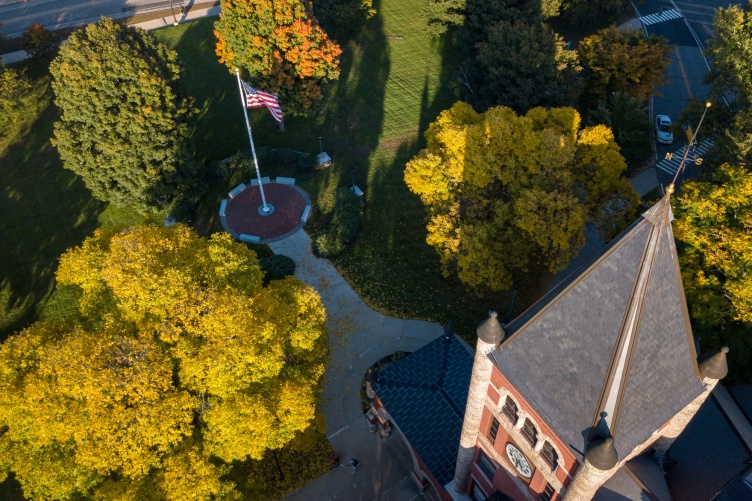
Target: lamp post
{"points": [[321, 147], [352, 173], [689, 145], [174, 18]]}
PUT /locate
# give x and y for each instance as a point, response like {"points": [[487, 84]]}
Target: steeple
{"points": [[608, 355]]}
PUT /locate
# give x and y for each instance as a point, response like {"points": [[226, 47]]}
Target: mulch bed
{"points": [[242, 211]]}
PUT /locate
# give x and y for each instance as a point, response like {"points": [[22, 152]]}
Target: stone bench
{"points": [[235, 192], [265, 180], [251, 239], [223, 208], [306, 213], [285, 180]]}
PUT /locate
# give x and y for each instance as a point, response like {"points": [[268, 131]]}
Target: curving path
{"points": [[359, 337]]}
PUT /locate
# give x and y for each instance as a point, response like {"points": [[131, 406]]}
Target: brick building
{"points": [[578, 398]]}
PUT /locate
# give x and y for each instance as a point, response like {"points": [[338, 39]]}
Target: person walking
{"points": [[353, 464]]}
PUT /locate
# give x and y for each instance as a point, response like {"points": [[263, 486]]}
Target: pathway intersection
{"points": [[359, 337]]}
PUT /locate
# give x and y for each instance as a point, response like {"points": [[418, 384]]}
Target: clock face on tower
{"points": [[519, 461]]}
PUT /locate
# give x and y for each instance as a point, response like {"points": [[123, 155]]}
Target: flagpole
{"points": [[250, 138]]}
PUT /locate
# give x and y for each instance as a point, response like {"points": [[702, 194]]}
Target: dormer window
{"points": [[510, 410], [529, 432], [549, 455]]}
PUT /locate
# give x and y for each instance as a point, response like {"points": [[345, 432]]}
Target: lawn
{"points": [[45, 210], [395, 80]]}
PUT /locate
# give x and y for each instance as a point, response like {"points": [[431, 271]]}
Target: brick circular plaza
{"points": [[289, 201]]}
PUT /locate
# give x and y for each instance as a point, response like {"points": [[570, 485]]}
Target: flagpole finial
{"points": [[237, 70]]}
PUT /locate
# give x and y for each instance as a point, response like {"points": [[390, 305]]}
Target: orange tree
{"points": [[280, 47], [178, 363]]}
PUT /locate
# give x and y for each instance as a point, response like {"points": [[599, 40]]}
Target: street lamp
{"points": [[321, 147], [689, 145], [174, 18], [352, 173]]}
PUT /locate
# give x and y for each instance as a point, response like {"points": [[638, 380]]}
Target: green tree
{"points": [[124, 117], [178, 364], [505, 192], [280, 48], [14, 96], [730, 51], [342, 19], [623, 61], [594, 13], [626, 116], [523, 65], [475, 15]]}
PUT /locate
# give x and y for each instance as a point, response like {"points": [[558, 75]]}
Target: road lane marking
{"points": [[684, 74]]}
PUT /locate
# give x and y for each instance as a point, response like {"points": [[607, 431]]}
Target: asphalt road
{"points": [[686, 73], [57, 14]]}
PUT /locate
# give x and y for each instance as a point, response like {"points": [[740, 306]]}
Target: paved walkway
{"points": [[359, 338]]}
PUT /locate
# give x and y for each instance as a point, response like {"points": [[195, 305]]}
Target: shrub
{"points": [[277, 267], [343, 227]]}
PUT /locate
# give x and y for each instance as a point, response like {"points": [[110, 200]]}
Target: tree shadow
{"points": [[46, 210]]}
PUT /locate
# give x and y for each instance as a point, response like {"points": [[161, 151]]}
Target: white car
{"points": [[663, 129]]}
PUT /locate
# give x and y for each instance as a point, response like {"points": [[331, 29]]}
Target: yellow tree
{"points": [[178, 363], [504, 192], [714, 225]]}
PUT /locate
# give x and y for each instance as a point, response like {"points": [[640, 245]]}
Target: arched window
{"points": [[549, 455], [510, 410], [530, 433]]}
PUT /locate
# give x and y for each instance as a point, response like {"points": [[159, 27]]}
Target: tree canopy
{"points": [[623, 61], [626, 116], [594, 13], [506, 192], [523, 65], [730, 51], [342, 19], [280, 48], [15, 88], [713, 222], [178, 363], [124, 117]]}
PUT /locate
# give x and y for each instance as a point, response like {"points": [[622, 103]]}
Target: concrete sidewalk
{"points": [[383, 472], [359, 337]]}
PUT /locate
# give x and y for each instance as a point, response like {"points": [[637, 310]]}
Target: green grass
{"points": [[394, 82]]}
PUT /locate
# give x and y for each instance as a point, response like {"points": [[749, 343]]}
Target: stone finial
{"points": [[713, 365], [490, 330], [602, 454]]}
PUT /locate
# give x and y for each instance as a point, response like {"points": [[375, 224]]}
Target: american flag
{"points": [[255, 98]]}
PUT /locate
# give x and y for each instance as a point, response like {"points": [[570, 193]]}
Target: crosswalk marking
{"points": [[672, 165], [660, 17]]}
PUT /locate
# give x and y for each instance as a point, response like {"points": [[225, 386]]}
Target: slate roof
{"points": [[426, 393], [613, 336]]}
